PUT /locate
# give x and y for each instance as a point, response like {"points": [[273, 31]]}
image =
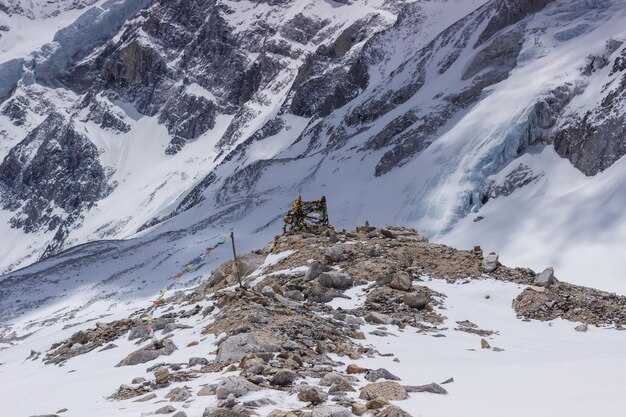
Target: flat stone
{"points": [[207, 390], [236, 385], [380, 373], [149, 353], [165, 410], [377, 318], [235, 348], [389, 390], [145, 398], [433, 388], [331, 411]]}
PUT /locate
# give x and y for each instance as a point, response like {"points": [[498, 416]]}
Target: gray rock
{"points": [[377, 318], [416, 301], [180, 414], [315, 269], [389, 390], [490, 262], [145, 398], [207, 390], [335, 279], [235, 347], [332, 378], [432, 388], [161, 375], [341, 386], [165, 410], [319, 294], [80, 337], [388, 234], [312, 395], [178, 394], [283, 378], [581, 328], [268, 291], [401, 281], [335, 253], [546, 278], [331, 411], [294, 295], [380, 373], [138, 380], [148, 353], [235, 385], [198, 361]]}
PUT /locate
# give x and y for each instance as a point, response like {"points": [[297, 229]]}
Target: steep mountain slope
{"points": [[199, 115]]}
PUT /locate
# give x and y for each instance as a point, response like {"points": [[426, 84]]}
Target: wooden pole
{"points": [[232, 240]]}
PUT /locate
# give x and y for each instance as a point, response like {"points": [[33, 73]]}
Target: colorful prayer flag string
{"points": [[189, 266]]}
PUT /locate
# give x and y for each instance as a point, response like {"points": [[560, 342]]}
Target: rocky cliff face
{"points": [[54, 168], [172, 104]]}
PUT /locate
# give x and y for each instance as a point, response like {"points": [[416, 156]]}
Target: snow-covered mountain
{"points": [[134, 134], [496, 122]]}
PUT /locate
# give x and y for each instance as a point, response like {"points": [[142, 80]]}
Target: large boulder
{"points": [[235, 347], [148, 353], [389, 390], [315, 269], [236, 385], [283, 378], [416, 301], [401, 281], [546, 278], [335, 279], [490, 262]]}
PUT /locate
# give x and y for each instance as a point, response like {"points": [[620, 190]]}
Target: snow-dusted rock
{"points": [[234, 385], [148, 353], [546, 277], [490, 262]]}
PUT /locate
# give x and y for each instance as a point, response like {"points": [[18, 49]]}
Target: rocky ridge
{"points": [[282, 332]]}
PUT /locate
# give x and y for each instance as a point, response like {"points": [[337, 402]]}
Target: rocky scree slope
{"points": [[283, 336]]}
